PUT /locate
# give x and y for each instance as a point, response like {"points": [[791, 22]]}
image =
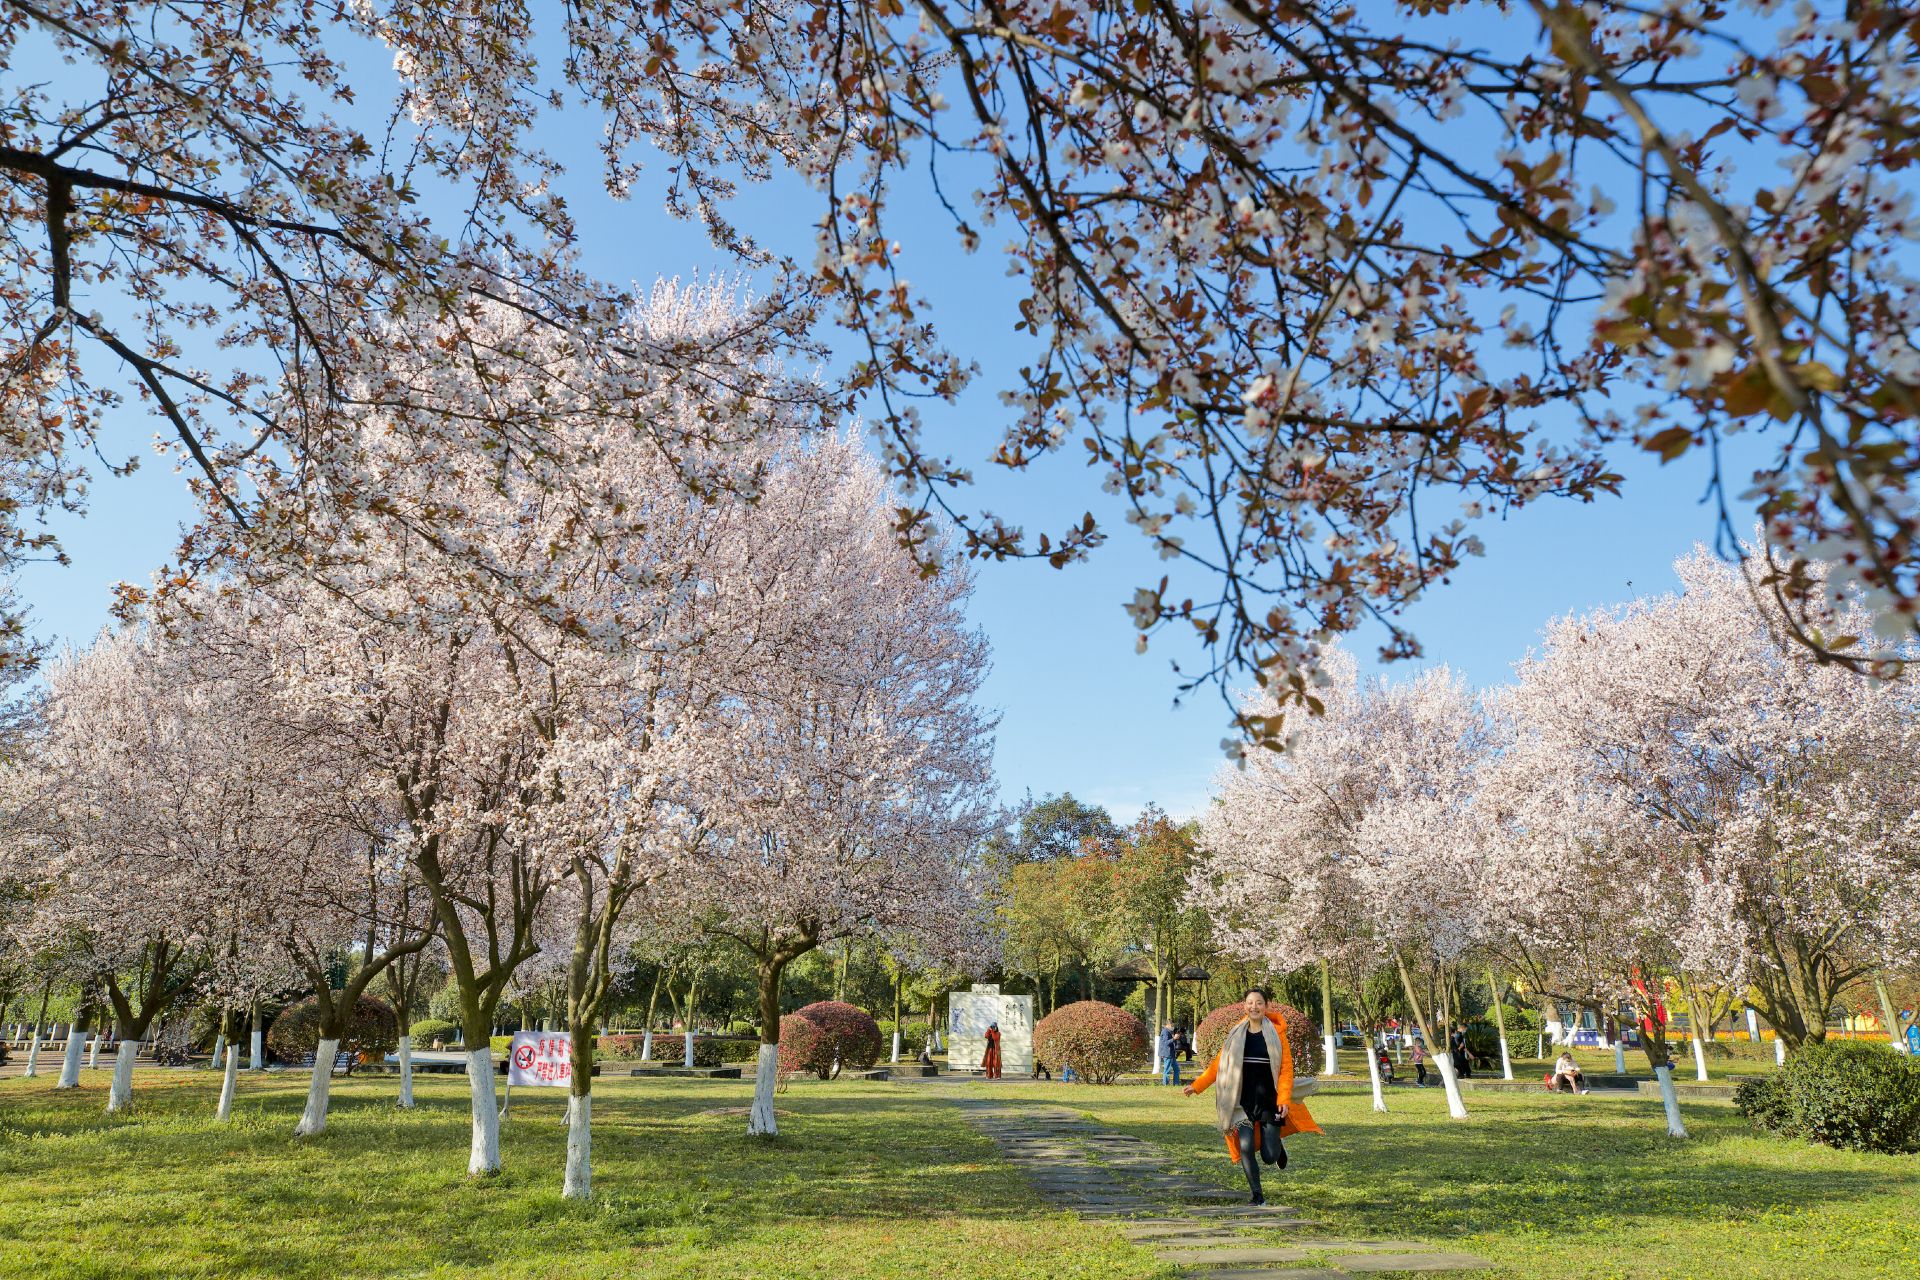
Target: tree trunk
{"points": [[405, 1053], [228, 1083], [578, 1182], [1331, 1063], [319, 1089], [579, 1176], [39, 1025], [1373, 1074], [1660, 1058], [1500, 1023], [76, 1048], [120, 1092], [483, 1153], [93, 1050], [896, 1016], [760, 1118], [257, 1048], [1888, 1016], [1456, 1107], [1670, 1101]]}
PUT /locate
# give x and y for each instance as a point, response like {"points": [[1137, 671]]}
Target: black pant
{"points": [[1420, 1072], [1266, 1146]]}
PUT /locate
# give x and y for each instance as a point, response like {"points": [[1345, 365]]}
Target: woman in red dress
{"points": [[990, 1061]]}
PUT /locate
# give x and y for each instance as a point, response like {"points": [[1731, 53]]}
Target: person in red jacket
{"points": [[1255, 1105], [990, 1061]]}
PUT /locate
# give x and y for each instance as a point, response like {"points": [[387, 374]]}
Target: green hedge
{"points": [[426, 1029], [1844, 1093]]}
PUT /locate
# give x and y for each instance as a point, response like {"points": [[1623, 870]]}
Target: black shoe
{"points": [[1280, 1154], [1257, 1198]]}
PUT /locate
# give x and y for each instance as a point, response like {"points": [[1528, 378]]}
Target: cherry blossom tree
{"points": [[1771, 789], [1359, 839], [1311, 285], [1314, 288], [856, 786], [127, 840]]}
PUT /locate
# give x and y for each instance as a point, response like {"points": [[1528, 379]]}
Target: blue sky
{"points": [[1082, 712]]}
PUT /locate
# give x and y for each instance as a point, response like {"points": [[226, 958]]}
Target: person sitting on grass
{"points": [[1567, 1074]]}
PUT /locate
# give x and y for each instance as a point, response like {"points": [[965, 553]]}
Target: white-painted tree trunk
{"points": [[1753, 1026], [1619, 1058], [406, 1072], [228, 1083], [1889, 1017], [483, 1156], [579, 1179], [1331, 1062], [70, 1063], [1671, 1101], [1456, 1106], [33, 1052], [120, 1093], [646, 1047], [760, 1119], [1779, 1051], [257, 1051], [689, 1048], [1373, 1073], [1699, 1059], [896, 1045], [219, 1049], [1506, 1060], [93, 1052], [319, 1088], [939, 1041], [1156, 1055]]}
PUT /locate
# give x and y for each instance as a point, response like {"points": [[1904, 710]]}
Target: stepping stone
{"points": [[1268, 1273], [1414, 1262], [1237, 1255]]}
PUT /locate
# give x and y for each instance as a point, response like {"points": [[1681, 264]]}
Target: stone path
{"points": [[1205, 1230]]}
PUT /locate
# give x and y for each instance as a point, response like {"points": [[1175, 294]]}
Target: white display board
{"points": [[970, 1013], [540, 1058]]}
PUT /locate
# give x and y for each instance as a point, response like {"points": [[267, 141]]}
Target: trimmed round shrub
{"points": [[1763, 1100], [1303, 1035], [1854, 1094], [371, 1031], [426, 1029], [852, 1036], [1098, 1040], [805, 1047]]}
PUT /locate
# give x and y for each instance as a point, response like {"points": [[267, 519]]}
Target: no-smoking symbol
{"points": [[523, 1056]]}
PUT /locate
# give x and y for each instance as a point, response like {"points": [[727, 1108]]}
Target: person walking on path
{"points": [[1169, 1055], [1419, 1063], [1255, 1106], [990, 1061]]}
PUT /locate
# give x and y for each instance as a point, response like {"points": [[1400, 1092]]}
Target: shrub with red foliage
{"points": [[834, 1031], [1098, 1040], [804, 1048], [1303, 1035]]}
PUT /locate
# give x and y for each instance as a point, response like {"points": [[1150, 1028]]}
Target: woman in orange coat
{"points": [[990, 1061], [1255, 1104]]}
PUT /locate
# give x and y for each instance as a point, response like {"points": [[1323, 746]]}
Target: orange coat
{"points": [[1298, 1119]]}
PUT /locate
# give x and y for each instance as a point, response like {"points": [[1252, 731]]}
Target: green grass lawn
{"points": [[1563, 1188], [875, 1180], [868, 1180]]}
